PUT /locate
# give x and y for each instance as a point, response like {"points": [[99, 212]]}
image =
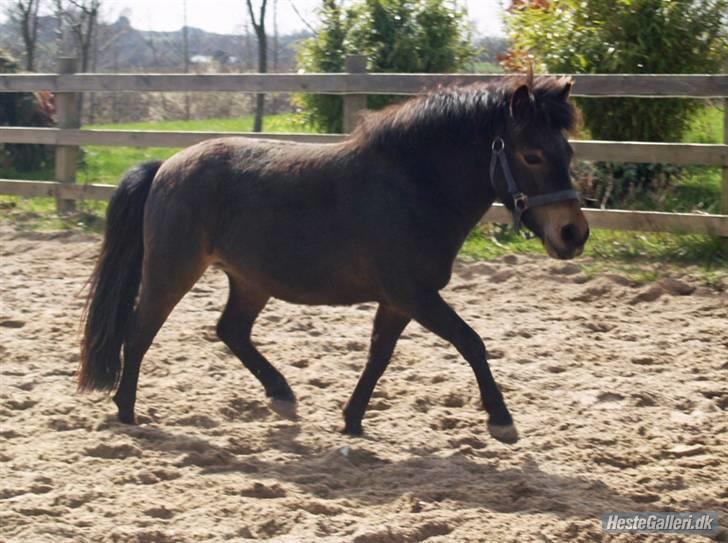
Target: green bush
{"points": [[395, 35], [625, 36], [23, 109]]}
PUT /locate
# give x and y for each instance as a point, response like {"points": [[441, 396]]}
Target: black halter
{"points": [[521, 202]]}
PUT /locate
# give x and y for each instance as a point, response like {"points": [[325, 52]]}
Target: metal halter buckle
{"points": [[520, 201], [498, 145]]}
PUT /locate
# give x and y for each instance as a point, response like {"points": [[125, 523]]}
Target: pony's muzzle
{"points": [[564, 229], [574, 237]]}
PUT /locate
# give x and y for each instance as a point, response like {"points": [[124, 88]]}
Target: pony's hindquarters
{"points": [[114, 283]]}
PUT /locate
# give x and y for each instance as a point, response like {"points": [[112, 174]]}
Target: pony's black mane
{"points": [[462, 114]]}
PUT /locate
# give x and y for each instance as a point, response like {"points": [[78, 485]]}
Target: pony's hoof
{"points": [[353, 429], [505, 433], [126, 418], [284, 408]]}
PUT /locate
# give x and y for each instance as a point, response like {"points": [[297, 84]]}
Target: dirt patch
{"points": [[618, 391]]}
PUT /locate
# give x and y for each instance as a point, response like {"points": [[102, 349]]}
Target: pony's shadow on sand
{"points": [[354, 471]]}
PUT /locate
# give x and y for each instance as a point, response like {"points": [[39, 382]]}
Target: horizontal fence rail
{"points": [[144, 138], [646, 221], [614, 151], [599, 85], [354, 85]]}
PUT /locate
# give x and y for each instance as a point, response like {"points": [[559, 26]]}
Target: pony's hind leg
{"points": [[148, 318], [164, 282], [234, 328]]}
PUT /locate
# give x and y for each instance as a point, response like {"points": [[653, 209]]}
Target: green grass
{"points": [[106, 165], [707, 126], [492, 241], [487, 68], [699, 188], [641, 257]]}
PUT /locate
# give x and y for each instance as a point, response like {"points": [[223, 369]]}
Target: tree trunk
{"points": [[115, 95], [94, 62], [29, 59], [262, 68], [275, 36], [85, 38], [60, 37], [28, 14], [259, 27], [186, 53]]}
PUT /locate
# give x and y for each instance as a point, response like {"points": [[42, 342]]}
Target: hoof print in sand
{"points": [[159, 512], [207, 459], [591, 293], [199, 421], [12, 323], [649, 295], [676, 287], [402, 534], [565, 269], [260, 490], [114, 451]]}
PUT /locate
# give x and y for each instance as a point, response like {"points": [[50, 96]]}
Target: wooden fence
{"points": [[354, 86]]}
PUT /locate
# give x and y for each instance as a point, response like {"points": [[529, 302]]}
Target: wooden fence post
{"points": [[68, 117], [354, 103]]}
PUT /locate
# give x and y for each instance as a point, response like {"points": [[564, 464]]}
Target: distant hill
{"points": [[123, 48]]}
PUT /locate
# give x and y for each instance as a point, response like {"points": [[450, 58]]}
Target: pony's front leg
{"points": [[388, 326], [432, 312]]}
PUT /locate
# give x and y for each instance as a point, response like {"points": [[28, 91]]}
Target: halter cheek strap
{"points": [[521, 202]]}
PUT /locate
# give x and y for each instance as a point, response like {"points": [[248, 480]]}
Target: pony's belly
{"points": [[304, 283], [323, 298], [321, 290]]}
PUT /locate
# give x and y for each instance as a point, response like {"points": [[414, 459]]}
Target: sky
{"points": [[227, 16]]}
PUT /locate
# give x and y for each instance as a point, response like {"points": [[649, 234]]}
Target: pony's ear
{"points": [[566, 90], [521, 102]]}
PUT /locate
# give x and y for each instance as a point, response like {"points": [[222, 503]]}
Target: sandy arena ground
{"points": [[619, 393]]}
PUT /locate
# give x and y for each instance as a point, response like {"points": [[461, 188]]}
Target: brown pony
{"points": [[378, 217]]}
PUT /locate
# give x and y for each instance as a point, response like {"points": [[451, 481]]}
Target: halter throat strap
{"points": [[521, 202]]}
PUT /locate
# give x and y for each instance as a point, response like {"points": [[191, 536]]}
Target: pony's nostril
{"points": [[570, 234]]}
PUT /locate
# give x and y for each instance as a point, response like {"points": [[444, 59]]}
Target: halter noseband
{"points": [[521, 202]]}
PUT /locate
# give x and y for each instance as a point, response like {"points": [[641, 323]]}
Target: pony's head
{"points": [[534, 147], [522, 123]]}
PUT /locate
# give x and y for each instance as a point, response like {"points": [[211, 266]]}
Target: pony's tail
{"points": [[114, 284]]}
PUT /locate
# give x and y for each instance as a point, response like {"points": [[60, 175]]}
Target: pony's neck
{"points": [[463, 180], [444, 141], [456, 175]]}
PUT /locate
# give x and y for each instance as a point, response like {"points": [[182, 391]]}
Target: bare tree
{"points": [[247, 47], [186, 53], [259, 28], [81, 17], [60, 28], [99, 50], [24, 14], [275, 36], [302, 18]]}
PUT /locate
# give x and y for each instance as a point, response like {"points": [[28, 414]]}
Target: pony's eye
{"points": [[532, 159]]}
